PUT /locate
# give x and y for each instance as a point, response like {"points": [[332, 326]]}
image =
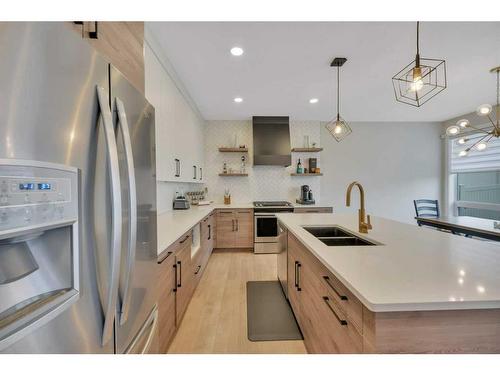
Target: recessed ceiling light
{"points": [[238, 100], [236, 51], [313, 100]]}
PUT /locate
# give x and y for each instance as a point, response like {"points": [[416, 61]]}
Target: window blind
{"points": [[475, 161]]}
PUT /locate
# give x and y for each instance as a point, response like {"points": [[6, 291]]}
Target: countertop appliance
{"points": [[77, 199], [181, 203], [271, 140], [306, 196], [282, 262], [266, 225]]}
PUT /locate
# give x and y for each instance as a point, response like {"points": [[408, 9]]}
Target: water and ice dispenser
{"points": [[39, 245]]}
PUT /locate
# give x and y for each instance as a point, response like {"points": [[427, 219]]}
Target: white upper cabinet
{"points": [[179, 130]]}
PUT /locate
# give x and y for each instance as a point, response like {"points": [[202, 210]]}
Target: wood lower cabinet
{"points": [[244, 228], [333, 320], [184, 278], [234, 229], [326, 326], [166, 301]]}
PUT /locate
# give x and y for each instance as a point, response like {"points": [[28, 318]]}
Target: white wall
{"points": [[263, 182], [395, 162]]}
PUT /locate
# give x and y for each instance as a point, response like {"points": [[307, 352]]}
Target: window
{"points": [[476, 180], [477, 193]]}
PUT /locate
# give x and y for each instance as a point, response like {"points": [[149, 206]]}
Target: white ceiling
{"points": [[287, 63]]}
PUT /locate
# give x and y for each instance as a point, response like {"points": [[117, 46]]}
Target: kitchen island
{"points": [[415, 290]]}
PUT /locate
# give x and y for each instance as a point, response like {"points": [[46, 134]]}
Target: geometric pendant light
{"points": [[420, 80], [338, 127]]}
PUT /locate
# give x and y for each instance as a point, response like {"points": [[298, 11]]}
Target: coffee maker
{"points": [[306, 196]]}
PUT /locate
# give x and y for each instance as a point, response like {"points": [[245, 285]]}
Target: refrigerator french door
{"points": [[136, 320], [75, 240]]}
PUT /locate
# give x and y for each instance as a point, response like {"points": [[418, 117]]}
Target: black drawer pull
{"points": [[341, 321], [342, 297], [179, 283], [298, 276], [209, 231], [175, 280], [197, 270], [184, 240], [295, 274]]}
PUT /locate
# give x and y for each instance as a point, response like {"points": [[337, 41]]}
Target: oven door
{"points": [[266, 227]]}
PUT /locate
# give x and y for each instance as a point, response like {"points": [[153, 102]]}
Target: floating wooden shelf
{"points": [[233, 149], [233, 174], [307, 174], [310, 149]]}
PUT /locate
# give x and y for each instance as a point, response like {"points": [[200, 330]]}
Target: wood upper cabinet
{"points": [[166, 301], [235, 228], [121, 43]]}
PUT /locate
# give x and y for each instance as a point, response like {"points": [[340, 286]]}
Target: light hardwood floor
{"points": [[215, 320]]}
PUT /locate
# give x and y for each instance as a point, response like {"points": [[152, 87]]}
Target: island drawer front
{"points": [[348, 303], [331, 286], [326, 328]]}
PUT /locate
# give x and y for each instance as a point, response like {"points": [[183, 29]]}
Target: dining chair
{"points": [[426, 208]]}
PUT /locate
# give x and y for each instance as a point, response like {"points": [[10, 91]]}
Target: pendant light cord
{"points": [[338, 93], [418, 37]]}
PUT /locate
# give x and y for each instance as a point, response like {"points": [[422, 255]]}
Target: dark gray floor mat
{"points": [[269, 316]]}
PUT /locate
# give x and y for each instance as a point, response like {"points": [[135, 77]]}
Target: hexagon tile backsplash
{"points": [[263, 182]]}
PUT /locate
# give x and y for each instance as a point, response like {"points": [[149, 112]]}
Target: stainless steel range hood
{"points": [[271, 140]]}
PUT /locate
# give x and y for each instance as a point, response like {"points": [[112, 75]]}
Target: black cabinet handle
{"points": [[175, 280], [184, 240], [194, 170], [342, 297], [179, 283], [295, 275], [298, 276], [237, 225], [94, 34], [177, 168], [209, 231], [197, 270], [341, 321], [201, 173]]}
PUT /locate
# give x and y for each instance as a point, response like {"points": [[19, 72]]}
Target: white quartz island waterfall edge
{"points": [[415, 268]]}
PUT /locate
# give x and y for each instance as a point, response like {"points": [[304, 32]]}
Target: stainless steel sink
{"points": [[336, 236], [327, 232]]}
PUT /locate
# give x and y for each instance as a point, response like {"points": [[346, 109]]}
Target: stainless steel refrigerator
{"points": [[77, 199]]}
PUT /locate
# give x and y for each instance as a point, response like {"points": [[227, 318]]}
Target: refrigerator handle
{"points": [[132, 220], [116, 235]]}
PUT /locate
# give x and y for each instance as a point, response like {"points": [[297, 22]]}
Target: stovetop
{"points": [[272, 204]]}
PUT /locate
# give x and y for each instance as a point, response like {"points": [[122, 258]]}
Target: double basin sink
{"points": [[336, 236]]}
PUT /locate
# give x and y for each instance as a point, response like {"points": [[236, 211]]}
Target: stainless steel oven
{"points": [[266, 225]]}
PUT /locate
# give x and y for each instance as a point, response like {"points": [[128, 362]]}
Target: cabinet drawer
{"points": [[326, 328], [331, 287]]}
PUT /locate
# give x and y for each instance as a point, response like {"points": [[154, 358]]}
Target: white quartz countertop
{"points": [[173, 224], [414, 268]]}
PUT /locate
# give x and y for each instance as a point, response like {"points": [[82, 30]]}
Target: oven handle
{"points": [[264, 214]]}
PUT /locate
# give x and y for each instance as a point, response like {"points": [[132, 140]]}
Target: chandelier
{"points": [[491, 131], [338, 127], [420, 80]]}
